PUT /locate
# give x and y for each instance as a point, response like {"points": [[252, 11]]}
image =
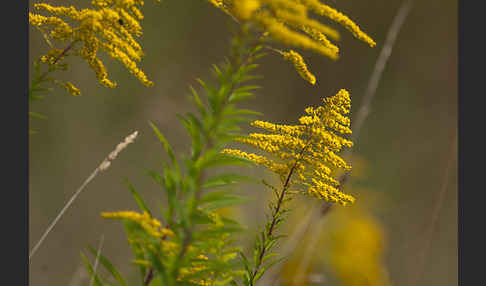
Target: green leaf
{"points": [[216, 159], [37, 115], [240, 96], [159, 267], [247, 88], [219, 74], [109, 266], [199, 104], [214, 196], [194, 129], [268, 256], [38, 88], [137, 197], [196, 122], [242, 93], [170, 183], [225, 179], [226, 201], [156, 177], [247, 68], [36, 97], [246, 263], [249, 77], [91, 272], [237, 112], [266, 267], [166, 145], [210, 93], [156, 281]]}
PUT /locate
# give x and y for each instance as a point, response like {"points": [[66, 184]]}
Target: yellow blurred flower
{"points": [[355, 248]]}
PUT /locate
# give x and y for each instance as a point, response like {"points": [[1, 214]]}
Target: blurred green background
{"points": [[406, 141]]}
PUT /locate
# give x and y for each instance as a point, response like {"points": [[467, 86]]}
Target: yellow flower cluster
{"points": [[299, 65], [307, 152], [51, 56], [110, 26], [72, 89], [289, 22], [151, 225], [190, 271], [198, 265]]}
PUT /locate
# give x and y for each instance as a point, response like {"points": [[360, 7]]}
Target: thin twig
{"points": [[97, 259], [435, 213], [362, 113], [102, 167], [69, 47], [380, 64], [275, 215], [293, 240]]}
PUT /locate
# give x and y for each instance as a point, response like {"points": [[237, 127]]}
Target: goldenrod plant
{"points": [[291, 23], [110, 26], [307, 151], [193, 242], [304, 157]]}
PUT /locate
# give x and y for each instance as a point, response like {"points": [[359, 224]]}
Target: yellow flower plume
{"points": [[307, 153], [151, 225], [110, 26], [289, 22], [299, 65], [72, 89]]}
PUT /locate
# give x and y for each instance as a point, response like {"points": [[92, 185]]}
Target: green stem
{"points": [[275, 216], [208, 144]]}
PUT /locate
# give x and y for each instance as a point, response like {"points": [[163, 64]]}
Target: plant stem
{"points": [[208, 144], [272, 225], [276, 214], [97, 260], [56, 59]]}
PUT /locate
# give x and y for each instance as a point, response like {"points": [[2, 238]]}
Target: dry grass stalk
{"points": [[102, 167]]}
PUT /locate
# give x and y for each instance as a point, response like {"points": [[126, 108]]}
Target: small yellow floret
{"points": [[287, 36], [72, 89], [299, 65], [320, 37], [339, 17], [151, 225]]}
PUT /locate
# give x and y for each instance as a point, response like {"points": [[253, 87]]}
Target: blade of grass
{"points": [[97, 259]]}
